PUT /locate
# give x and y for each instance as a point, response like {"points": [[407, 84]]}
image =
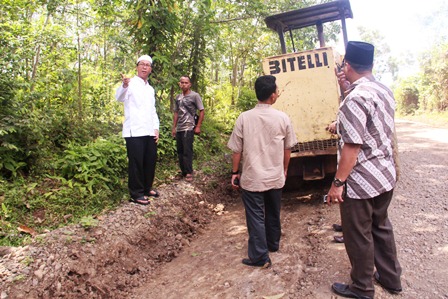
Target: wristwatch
{"points": [[338, 183]]}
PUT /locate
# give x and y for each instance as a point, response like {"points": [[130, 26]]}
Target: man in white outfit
{"points": [[140, 130]]}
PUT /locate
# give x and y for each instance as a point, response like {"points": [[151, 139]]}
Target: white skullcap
{"points": [[145, 57]]}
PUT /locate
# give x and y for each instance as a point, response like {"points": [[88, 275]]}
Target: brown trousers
{"points": [[369, 242]]}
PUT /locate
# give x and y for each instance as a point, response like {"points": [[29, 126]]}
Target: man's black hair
{"points": [[264, 87], [360, 68]]}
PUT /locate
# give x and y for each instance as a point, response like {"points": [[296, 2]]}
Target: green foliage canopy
{"points": [[60, 63]]}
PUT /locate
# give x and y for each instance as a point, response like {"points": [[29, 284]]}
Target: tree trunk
{"points": [[37, 57], [80, 113]]}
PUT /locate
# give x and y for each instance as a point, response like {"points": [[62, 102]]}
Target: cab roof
{"points": [[309, 16]]}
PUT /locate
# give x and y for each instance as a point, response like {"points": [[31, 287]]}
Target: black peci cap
{"points": [[359, 53]]}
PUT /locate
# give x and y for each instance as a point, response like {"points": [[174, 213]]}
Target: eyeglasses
{"points": [[145, 64]]}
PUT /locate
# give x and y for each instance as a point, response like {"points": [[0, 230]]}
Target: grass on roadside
{"points": [[37, 204], [436, 119]]}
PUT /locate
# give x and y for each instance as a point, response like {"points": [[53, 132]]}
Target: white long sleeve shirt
{"points": [[139, 108]]}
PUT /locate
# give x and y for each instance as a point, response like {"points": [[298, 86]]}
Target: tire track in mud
{"points": [[314, 226]]}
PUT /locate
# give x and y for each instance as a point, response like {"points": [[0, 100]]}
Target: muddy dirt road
{"points": [[183, 246], [308, 261]]}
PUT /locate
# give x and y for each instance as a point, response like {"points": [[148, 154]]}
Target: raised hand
{"points": [[125, 80]]}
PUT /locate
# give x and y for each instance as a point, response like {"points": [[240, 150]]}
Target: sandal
{"points": [[189, 177], [140, 201], [179, 176], [153, 193]]}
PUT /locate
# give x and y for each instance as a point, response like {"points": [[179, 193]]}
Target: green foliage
{"points": [[32, 137], [166, 148], [8, 152], [89, 178], [406, 96], [428, 91], [211, 140], [224, 113], [247, 99], [5, 212], [88, 222], [98, 165], [48, 203], [27, 261], [434, 79]]}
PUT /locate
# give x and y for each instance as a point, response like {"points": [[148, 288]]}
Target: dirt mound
{"points": [[108, 258]]}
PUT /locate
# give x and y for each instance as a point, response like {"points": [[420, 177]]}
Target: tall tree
{"points": [[385, 63], [434, 79]]}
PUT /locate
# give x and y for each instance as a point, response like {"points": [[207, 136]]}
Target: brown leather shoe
{"points": [[339, 239]]}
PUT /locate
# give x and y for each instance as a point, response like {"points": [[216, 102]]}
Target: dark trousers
{"points": [[142, 156], [369, 241], [263, 222], [184, 144]]}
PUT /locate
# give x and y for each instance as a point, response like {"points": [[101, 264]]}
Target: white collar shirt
{"points": [[139, 108]]}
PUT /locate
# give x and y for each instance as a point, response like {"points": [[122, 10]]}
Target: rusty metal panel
{"points": [[309, 91]]}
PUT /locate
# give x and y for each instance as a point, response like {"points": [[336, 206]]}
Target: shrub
{"points": [[99, 164], [407, 96]]}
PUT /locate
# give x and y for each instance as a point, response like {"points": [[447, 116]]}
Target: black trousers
{"points": [[369, 241], [184, 145], [142, 156], [263, 222]]}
